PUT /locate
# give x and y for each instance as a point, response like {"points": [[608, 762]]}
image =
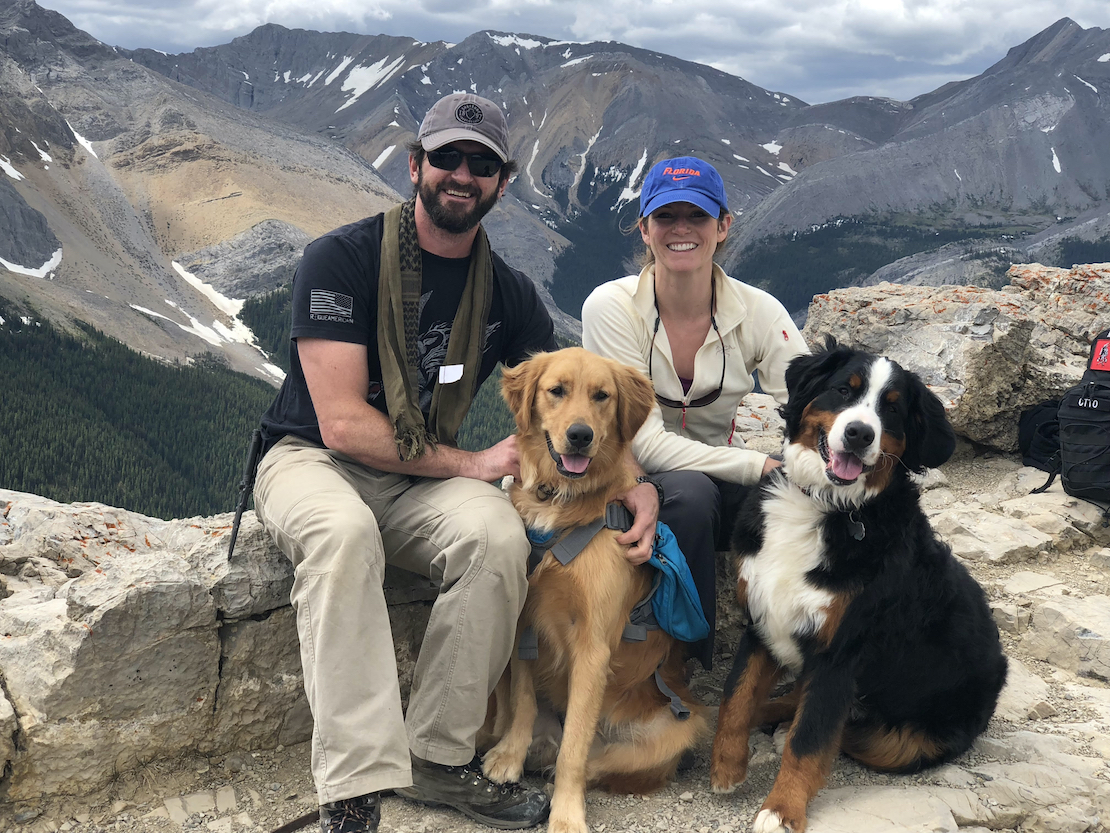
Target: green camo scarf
{"points": [[399, 286]]}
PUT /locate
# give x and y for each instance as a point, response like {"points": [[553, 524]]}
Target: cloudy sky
{"points": [[815, 50]]}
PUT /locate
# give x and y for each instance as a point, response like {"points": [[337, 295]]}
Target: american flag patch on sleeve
{"points": [[327, 305]]}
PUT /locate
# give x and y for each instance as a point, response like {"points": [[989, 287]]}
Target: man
{"points": [[397, 319]]}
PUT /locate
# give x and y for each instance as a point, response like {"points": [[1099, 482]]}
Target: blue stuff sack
{"points": [[674, 600]]}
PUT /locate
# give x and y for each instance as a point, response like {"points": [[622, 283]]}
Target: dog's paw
{"points": [[773, 821], [567, 826], [502, 765], [724, 779], [768, 821]]}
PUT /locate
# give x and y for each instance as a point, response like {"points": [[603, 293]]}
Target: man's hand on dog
{"points": [[643, 501], [497, 461]]}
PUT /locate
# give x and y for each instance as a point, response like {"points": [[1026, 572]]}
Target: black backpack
{"points": [[1039, 436], [1083, 419]]}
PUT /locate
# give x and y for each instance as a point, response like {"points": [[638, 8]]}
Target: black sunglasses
{"points": [[480, 164], [701, 401]]}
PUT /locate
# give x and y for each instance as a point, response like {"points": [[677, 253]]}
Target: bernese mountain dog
{"points": [[891, 643]]}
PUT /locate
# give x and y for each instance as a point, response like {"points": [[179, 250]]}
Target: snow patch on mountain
{"points": [[35, 272], [362, 79]]}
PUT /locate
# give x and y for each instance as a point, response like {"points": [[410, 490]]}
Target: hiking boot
{"points": [[466, 789], [351, 815]]}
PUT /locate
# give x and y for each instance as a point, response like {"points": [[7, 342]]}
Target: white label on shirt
{"points": [[449, 373]]}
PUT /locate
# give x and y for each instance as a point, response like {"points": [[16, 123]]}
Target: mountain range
{"points": [[149, 194]]}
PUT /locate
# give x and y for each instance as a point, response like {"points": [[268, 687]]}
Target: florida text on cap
{"points": [[684, 179], [465, 117]]}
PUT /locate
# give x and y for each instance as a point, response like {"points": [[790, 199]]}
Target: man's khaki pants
{"points": [[340, 522]]}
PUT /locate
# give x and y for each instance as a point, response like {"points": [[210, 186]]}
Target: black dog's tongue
{"points": [[845, 465]]}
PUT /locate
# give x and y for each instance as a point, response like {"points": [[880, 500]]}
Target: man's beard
{"points": [[443, 217]]}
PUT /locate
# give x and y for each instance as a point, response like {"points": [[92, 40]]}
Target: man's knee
{"points": [[330, 532], [504, 550], [508, 545]]}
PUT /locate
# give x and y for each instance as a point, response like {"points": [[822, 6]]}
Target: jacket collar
{"points": [[731, 309]]}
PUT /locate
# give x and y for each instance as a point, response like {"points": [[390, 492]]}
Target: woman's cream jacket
{"points": [[618, 319]]}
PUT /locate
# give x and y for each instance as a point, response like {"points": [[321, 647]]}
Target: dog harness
{"points": [[566, 549]]}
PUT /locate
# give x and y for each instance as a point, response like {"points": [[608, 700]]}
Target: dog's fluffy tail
{"points": [[895, 749], [642, 782], [640, 757]]}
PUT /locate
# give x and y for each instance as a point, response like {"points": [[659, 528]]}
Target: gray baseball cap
{"points": [[465, 117]]}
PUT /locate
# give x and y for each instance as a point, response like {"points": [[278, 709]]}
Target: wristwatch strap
{"points": [[643, 478]]}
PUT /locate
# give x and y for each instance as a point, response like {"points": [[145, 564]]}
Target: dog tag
{"points": [[856, 528]]}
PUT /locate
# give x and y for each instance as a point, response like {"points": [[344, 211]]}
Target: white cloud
{"points": [[815, 51]]}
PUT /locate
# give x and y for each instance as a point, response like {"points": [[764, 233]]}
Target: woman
{"points": [[699, 335]]}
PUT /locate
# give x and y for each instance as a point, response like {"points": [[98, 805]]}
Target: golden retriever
{"points": [[576, 415]]}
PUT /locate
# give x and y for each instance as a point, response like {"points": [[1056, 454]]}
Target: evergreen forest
{"points": [[85, 418], [795, 267], [1073, 250]]}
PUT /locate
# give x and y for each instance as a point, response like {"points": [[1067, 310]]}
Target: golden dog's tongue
{"points": [[574, 463], [845, 465]]}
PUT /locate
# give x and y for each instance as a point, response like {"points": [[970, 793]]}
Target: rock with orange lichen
{"points": [[989, 354]]}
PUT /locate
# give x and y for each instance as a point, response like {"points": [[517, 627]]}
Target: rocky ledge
{"points": [[126, 639], [989, 354]]}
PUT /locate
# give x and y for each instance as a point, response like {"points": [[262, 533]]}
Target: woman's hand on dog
{"points": [[769, 465], [643, 501]]}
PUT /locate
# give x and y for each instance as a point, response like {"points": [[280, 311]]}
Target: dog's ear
{"points": [[807, 375], [635, 396], [930, 439], [518, 388], [814, 369]]}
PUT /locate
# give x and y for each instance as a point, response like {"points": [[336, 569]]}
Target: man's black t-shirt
{"points": [[335, 296]]}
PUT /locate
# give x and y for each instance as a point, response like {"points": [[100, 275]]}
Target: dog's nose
{"points": [[858, 436], [580, 436]]}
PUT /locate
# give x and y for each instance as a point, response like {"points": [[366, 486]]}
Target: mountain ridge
{"points": [[220, 162]]}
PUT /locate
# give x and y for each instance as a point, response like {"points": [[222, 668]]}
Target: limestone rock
{"points": [[1069, 521], [984, 536], [759, 424], [260, 700], [254, 262], [878, 810], [129, 639], [1024, 582], [255, 580], [988, 354], [1040, 796], [1073, 634], [1023, 693], [8, 727], [1010, 617], [120, 665]]}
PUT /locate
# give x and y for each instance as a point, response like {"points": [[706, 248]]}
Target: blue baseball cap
{"points": [[684, 179]]}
